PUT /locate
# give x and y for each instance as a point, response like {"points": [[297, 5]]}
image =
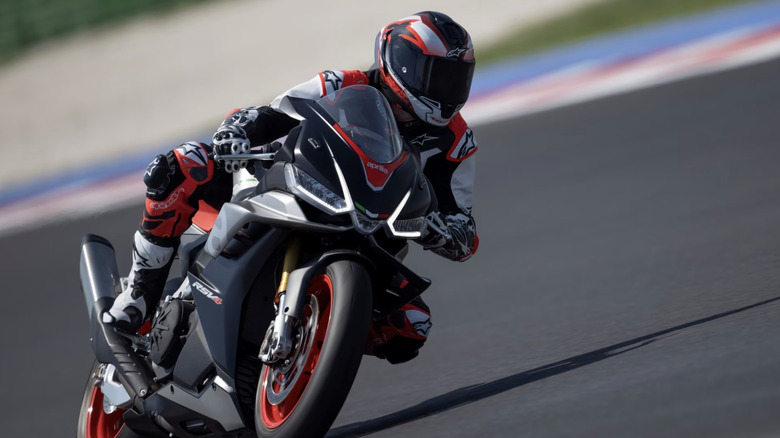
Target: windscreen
{"points": [[365, 116]]}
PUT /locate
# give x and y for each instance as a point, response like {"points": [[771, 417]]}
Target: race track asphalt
{"points": [[626, 284]]}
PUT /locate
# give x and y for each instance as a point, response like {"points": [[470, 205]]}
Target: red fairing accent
{"points": [[464, 145], [377, 174]]}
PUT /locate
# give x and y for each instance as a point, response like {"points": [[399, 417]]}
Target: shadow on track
{"points": [[470, 394]]}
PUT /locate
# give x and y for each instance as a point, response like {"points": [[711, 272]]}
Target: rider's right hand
{"points": [[231, 140]]}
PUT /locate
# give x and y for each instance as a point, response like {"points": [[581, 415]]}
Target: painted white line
{"points": [[72, 203]]}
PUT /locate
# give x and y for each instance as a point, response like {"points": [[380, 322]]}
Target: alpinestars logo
{"points": [[139, 259], [162, 205], [421, 323], [332, 78], [423, 327], [194, 152], [208, 293], [152, 167], [420, 140], [467, 144], [455, 53]]}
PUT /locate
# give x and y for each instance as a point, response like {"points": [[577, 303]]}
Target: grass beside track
{"points": [[25, 23], [592, 20]]}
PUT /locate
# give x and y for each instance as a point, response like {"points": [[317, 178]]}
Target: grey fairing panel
{"points": [[212, 400], [275, 208], [220, 289]]}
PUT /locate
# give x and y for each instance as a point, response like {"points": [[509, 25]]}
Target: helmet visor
{"points": [[445, 80]]}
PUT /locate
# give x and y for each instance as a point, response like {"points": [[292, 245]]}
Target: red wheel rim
{"points": [[99, 424], [316, 320]]}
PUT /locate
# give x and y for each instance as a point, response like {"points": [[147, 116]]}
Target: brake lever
{"points": [[245, 157]]}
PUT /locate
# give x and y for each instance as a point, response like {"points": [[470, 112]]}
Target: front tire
{"points": [[292, 399]]}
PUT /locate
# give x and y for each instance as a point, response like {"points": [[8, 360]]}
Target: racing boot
{"points": [[145, 283], [399, 337]]}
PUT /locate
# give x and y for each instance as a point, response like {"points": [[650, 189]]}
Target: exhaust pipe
{"points": [[98, 271], [100, 284]]}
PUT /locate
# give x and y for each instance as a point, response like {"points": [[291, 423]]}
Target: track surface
{"points": [[626, 284]]}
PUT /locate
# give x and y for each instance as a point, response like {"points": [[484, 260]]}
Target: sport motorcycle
{"points": [[265, 318]]}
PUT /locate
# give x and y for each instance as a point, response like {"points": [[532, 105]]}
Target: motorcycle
{"points": [[262, 331]]}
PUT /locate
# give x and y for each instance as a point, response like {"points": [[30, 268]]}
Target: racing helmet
{"points": [[426, 62]]}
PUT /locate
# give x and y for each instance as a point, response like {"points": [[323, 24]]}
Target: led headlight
{"points": [[365, 225], [305, 187], [403, 227], [406, 228]]}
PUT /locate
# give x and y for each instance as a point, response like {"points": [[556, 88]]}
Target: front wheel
{"points": [[302, 396], [94, 421]]}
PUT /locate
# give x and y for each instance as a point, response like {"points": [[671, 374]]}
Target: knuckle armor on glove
{"points": [[231, 140], [450, 236], [436, 234]]}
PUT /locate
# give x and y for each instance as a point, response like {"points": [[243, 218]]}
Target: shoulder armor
{"points": [[464, 145], [332, 80]]}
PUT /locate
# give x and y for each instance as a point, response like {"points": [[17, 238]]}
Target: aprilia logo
{"points": [[207, 292], [378, 167]]}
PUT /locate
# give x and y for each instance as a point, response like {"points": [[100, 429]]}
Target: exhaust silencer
{"points": [[100, 284], [98, 270]]}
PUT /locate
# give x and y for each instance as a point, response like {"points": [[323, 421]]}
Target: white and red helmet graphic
{"points": [[427, 62]]}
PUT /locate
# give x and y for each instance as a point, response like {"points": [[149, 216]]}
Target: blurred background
{"points": [[109, 78], [93, 81], [606, 227]]}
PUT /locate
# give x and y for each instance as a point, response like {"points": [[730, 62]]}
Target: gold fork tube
{"points": [[290, 263]]}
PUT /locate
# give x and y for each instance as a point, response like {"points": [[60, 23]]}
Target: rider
{"points": [[423, 65]]}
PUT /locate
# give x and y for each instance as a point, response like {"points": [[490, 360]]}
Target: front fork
{"points": [[279, 338]]}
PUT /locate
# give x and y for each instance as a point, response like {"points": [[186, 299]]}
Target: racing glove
{"points": [[231, 140], [451, 236]]}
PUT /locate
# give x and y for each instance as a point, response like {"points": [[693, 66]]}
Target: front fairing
{"points": [[378, 177]]}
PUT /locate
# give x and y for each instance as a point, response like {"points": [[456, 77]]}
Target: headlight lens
{"points": [[365, 225], [315, 193], [311, 190]]}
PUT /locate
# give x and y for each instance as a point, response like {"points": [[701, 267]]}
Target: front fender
{"points": [[300, 278]]}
